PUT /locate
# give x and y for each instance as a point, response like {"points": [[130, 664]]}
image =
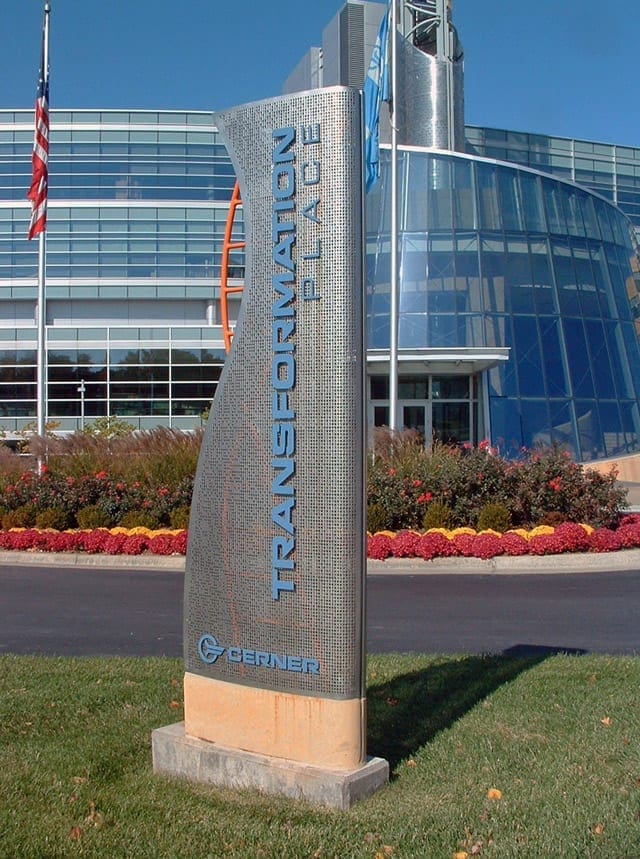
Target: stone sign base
{"points": [[182, 756]]}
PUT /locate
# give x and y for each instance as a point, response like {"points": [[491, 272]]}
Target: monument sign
{"points": [[275, 573]]}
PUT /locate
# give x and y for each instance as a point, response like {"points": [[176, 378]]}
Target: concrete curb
{"points": [[627, 560], [79, 559]]}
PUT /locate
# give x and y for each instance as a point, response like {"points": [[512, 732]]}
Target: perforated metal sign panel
{"points": [[275, 564]]}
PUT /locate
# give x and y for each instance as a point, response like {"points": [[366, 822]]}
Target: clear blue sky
{"points": [[566, 67]]}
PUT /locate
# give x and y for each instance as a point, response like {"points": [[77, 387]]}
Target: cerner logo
{"points": [[210, 651]]}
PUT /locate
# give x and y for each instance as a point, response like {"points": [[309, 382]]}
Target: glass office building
{"points": [[518, 272], [611, 170], [518, 290], [517, 294], [137, 208]]}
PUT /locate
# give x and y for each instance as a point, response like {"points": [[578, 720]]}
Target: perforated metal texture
{"points": [[228, 588], [422, 110]]}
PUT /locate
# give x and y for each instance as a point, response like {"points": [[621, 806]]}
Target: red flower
{"points": [[425, 498], [378, 547], [435, 545], [416, 484], [514, 544], [546, 544], [604, 540], [101, 475], [555, 484], [487, 546], [405, 545]]}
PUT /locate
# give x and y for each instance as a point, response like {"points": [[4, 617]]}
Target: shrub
{"points": [[92, 517], [54, 517], [22, 517], [376, 518], [179, 517], [438, 515], [494, 517], [554, 519], [139, 519]]}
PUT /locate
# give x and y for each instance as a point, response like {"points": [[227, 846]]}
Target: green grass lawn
{"points": [[558, 736]]}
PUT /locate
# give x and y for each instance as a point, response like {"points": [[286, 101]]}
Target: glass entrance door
{"points": [[416, 415], [451, 423], [444, 408]]}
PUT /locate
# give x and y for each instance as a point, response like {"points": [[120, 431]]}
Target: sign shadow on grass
{"points": [[407, 711]]}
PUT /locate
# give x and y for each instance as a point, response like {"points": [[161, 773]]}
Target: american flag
{"points": [[40, 157]]}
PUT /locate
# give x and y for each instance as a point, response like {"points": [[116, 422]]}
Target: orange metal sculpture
{"points": [[227, 247]]}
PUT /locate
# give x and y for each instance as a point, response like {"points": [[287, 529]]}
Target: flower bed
{"points": [[435, 543], [465, 542], [108, 541]]}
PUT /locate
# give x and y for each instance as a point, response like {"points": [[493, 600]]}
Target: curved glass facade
{"points": [[609, 169], [495, 256]]}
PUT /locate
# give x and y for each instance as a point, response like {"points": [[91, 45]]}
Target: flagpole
{"points": [[394, 424], [41, 306]]}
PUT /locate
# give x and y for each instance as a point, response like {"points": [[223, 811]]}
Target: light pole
{"points": [[81, 391]]}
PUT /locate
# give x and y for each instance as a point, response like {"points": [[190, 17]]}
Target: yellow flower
{"points": [[541, 529]]}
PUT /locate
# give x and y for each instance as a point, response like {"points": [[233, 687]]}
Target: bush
{"points": [[179, 517], [139, 519], [494, 517], [376, 518], [553, 519], [22, 517], [438, 515], [92, 517], [54, 517], [405, 479]]}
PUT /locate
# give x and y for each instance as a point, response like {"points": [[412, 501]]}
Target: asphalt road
{"points": [[136, 612]]}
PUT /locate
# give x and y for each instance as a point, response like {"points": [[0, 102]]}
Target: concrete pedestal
{"points": [[181, 756]]}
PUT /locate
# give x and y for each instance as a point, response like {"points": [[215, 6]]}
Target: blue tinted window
{"points": [[599, 354], [565, 278], [544, 292], [576, 343], [535, 422], [488, 201], [509, 196], [532, 203], [589, 431], [518, 277], [553, 206], [528, 357], [554, 371]]}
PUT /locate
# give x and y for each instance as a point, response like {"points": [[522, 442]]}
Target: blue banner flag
{"points": [[376, 90]]}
